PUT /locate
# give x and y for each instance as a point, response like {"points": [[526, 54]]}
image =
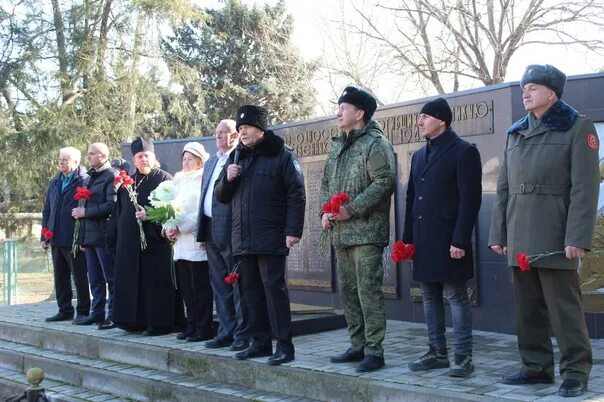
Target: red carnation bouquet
{"points": [[524, 261], [127, 182], [335, 202], [402, 251], [232, 277], [331, 207], [82, 195], [47, 234]]}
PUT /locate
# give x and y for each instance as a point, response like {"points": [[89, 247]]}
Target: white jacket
{"points": [[188, 192]]}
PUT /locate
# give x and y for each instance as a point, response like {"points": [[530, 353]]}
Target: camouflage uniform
{"points": [[362, 165]]}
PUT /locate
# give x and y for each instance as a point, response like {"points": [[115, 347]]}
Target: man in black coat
{"points": [[56, 218], [94, 216], [263, 182], [214, 231], [145, 297], [443, 198]]}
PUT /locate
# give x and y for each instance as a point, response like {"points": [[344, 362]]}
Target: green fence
{"points": [[26, 272]]}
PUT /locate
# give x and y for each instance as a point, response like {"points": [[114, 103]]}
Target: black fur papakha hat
{"points": [[361, 99], [440, 109], [251, 115], [141, 145], [546, 75]]}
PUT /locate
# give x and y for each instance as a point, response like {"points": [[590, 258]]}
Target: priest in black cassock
{"points": [[145, 296]]}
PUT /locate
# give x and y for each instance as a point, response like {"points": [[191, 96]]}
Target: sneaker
{"points": [[433, 359], [462, 366], [571, 387]]}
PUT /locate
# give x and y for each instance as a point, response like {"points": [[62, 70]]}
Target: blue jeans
{"points": [[461, 315], [101, 269], [230, 306]]}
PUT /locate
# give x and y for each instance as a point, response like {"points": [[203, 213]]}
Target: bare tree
{"points": [[444, 42]]}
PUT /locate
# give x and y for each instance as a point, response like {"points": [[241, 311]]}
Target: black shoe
{"points": [[60, 317], [522, 378], [185, 334], [91, 319], [462, 366], [254, 351], [156, 331], [279, 358], [370, 363], [238, 346], [572, 387], [199, 337], [217, 343], [434, 358], [351, 355], [107, 324]]}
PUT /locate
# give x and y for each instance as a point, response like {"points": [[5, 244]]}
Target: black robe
{"points": [[144, 293]]}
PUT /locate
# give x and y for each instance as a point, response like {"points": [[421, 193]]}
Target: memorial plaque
{"points": [[307, 269]]}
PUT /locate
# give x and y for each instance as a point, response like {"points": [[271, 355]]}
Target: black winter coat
{"points": [[443, 200], [267, 199], [98, 209], [56, 215]]}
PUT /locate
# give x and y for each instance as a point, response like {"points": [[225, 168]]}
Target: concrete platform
{"points": [[115, 364]]}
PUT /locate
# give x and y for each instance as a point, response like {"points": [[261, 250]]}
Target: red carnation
{"points": [[402, 251], [523, 262], [231, 278], [47, 234], [82, 194], [331, 208], [335, 202], [122, 179]]}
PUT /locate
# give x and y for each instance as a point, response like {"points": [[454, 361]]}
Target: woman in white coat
{"points": [[192, 274]]}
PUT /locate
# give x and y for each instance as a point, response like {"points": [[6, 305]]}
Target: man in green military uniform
{"points": [[547, 196], [360, 164]]}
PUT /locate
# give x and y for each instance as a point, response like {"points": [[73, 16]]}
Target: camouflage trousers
{"points": [[360, 277]]}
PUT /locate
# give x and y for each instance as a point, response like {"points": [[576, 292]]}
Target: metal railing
{"points": [[26, 274]]}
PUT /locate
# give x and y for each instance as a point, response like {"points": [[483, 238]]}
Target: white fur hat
{"points": [[196, 149]]}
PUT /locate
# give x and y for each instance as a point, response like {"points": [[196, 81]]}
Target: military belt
{"points": [[546, 189]]}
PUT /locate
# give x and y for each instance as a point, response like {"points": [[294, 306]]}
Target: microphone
{"points": [[236, 155]]}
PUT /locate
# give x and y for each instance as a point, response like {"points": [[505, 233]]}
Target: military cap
{"points": [[359, 98], [546, 75]]}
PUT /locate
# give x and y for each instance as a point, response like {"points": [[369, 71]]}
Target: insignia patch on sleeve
{"points": [[377, 161], [297, 166], [592, 141]]}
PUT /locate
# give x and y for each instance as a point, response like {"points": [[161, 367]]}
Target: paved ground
{"points": [[494, 355]]}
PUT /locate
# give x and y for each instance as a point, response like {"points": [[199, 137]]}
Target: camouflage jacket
{"points": [[362, 165]]}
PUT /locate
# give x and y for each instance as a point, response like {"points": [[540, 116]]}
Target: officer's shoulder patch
{"points": [[377, 161], [592, 141], [297, 166]]}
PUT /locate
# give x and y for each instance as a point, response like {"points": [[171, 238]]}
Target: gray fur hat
{"points": [[546, 75]]}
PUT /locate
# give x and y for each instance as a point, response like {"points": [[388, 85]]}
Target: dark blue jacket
{"points": [[443, 198], [221, 213], [58, 204], [97, 210]]}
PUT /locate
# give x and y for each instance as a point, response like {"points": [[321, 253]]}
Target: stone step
{"points": [[122, 354], [12, 383], [124, 380]]}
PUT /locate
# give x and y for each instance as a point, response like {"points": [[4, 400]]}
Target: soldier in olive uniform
{"points": [[547, 195], [361, 164]]}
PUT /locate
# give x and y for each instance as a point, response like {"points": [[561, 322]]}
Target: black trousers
{"points": [[193, 280], [267, 300], [66, 265]]}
